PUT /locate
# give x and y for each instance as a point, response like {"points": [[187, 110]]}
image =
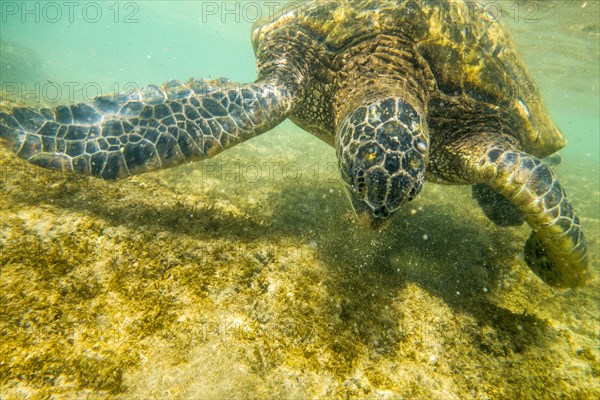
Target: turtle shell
{"points": [[469, 51]]}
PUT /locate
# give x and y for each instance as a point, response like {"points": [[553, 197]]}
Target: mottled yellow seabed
{"points": [[245, 277]]}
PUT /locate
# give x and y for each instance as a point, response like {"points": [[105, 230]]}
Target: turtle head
{"points": [[382, 149]]}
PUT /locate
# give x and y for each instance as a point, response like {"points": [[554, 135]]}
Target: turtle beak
{"points": [[368, 221], [364, 215]]}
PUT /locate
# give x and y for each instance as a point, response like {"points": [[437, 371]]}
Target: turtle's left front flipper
{"points": [[147, 129], [557, 249]]}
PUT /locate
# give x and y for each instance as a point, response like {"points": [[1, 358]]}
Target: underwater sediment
{"points": [[245, 277]]}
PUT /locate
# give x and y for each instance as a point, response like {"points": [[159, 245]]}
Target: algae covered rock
{"points": [[191, 284]]}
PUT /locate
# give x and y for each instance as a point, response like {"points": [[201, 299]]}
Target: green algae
{"points": [[190, 284]]}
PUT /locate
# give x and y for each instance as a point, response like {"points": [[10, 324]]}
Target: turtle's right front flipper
{"points": [[144, 130], [556, 250], [498, 208]]}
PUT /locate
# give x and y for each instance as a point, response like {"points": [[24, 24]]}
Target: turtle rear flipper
{"points": [[496, 207], [553, 160], [146, 129]]}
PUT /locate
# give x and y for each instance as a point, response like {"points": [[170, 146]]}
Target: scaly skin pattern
{"points": [[146, 129], [557, 249], [382, 147], [470, 54]]}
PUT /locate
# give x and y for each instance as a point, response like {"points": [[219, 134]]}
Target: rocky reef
{"points": [[245, 277]]}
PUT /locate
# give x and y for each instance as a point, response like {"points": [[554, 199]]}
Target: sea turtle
{"points": [[406, 91]]}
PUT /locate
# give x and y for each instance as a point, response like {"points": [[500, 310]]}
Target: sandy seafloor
{"points": [[244, 276], [189, 284]]}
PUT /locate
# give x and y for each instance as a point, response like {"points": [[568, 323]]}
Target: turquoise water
{"points": [[110, 46]]}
